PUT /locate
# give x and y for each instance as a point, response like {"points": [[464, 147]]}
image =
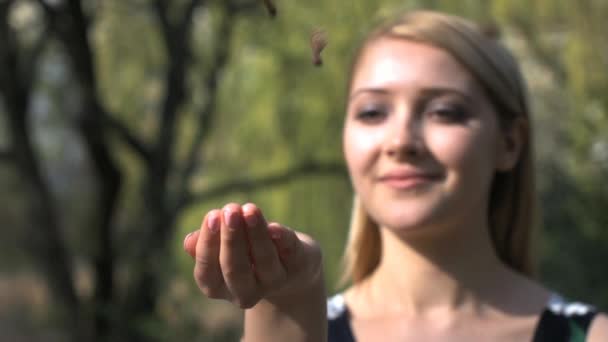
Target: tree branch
{"points": [[75, 35], [141, 294], [46, 245], [14, 91], [75, 7], [179, 53], [127, 136], [207, 113], [186, 21], [160, 7], [279, 178], [170, 31], [49, 11], [50, 15], [71, 25]]}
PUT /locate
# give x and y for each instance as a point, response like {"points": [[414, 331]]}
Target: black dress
{"points": [[560, 321]]}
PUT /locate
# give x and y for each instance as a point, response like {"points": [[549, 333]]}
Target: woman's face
{"points": [[421, 140]]}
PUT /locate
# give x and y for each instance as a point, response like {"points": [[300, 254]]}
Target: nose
{"points": [[404, 139]]}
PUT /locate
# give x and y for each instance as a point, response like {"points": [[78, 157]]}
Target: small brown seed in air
{"points": [[270, 7], [318, 41]]}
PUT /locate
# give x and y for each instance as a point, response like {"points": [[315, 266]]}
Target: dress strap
{"points": [[338, 320], [564, 321]]}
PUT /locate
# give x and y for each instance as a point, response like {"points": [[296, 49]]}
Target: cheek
{"points": [[467, 152], [450, 148], [361, 149]]}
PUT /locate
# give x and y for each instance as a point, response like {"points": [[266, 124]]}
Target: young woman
{"points": [[437, 140]]}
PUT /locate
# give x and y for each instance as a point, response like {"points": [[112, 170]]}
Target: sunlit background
{"points": [[122, 122]]}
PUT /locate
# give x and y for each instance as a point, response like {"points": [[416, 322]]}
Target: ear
{"points": [[511, 144]]}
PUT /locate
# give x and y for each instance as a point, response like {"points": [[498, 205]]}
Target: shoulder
{"points": [[598, 331]]}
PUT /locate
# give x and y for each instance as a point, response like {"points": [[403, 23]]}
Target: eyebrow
{"points": [[368, 90], [424, 92]]}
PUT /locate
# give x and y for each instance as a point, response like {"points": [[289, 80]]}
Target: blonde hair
{"points": [[512, 195]]}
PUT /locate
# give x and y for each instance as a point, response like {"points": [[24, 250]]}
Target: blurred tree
{"points": [[119, 308], [567, 40]]}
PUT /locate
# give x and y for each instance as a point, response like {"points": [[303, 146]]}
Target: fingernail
{"points": [[252, 220], [234, 219], [186, 240], [213, 222]]}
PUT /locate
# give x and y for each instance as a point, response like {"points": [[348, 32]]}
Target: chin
{"points": [[414, 227], [409, 220]]}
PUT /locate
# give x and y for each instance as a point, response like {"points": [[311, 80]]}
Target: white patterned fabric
{"points": [[335, 306], [559, 306]]}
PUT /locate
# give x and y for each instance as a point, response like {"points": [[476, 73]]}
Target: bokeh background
{"points": [[122, 122]]}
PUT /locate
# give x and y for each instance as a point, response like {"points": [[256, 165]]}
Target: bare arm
{"points": [[598, 332], [299, 317]]}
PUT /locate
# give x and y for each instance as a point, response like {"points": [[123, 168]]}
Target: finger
{"points": [[300, 255], [287, 244], [267, 266], [190, 243], [207, 271], [234, 258]]}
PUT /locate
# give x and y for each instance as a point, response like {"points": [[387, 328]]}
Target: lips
{"points": [[405, 179]]}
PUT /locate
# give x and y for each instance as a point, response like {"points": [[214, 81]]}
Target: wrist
{"points": [[300, 290], [295, 315]]}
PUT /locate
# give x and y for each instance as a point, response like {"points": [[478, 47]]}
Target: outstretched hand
{"points": [[243, 259]]}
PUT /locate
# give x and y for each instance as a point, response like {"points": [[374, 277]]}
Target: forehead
{"points": [[399, 64]]}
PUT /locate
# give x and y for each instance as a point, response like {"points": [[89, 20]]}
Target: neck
{"points": [[453, 270]]}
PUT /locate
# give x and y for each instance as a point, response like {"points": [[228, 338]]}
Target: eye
{"points": [[371, 114], [448, 114]]}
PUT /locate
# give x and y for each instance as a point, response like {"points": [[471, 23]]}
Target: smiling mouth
{"points": [[409, 182]]}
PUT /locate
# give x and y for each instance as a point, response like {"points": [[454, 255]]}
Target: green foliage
{"points": [[566, 38]]}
